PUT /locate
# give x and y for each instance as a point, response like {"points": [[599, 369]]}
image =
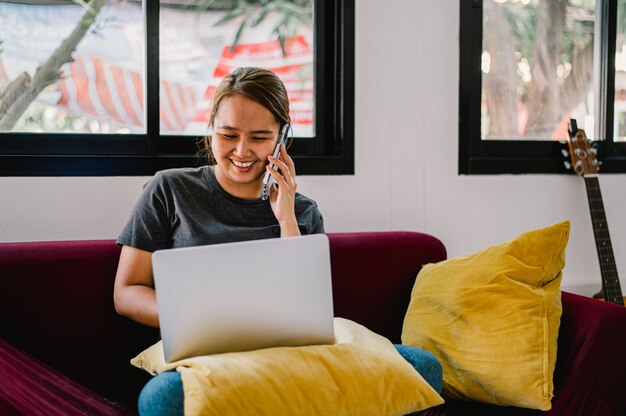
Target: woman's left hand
{"points": [[283, 198]]}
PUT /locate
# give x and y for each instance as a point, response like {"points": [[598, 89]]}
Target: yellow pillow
{"points": [[492, 319], [361, 374]]}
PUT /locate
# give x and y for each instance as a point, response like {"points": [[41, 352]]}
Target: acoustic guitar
{"points": [[585, 164]]}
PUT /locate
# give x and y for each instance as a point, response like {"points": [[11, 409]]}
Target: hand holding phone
{"points": [[268, 179]]}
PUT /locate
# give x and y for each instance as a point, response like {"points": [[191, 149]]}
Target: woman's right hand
{"points": [[282, 197], [133, 293]]}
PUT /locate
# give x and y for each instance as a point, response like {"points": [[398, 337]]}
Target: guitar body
{"points": [[584, 162]]}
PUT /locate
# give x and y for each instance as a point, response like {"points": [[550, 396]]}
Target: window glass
{"points": [[200, 42], [129, 82], [620, 74], [99, 90], [537, 68]]}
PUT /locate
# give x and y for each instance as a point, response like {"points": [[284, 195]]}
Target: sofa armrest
{"points": [[28, 386], [591, 359], [56, 304]]}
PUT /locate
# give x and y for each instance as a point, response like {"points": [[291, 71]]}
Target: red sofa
{"points": [[64, 350]]}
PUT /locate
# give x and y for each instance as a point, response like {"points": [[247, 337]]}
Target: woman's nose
{"points": [[242, 147]]}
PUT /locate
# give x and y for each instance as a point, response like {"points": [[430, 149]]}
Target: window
{"points": [[526, 68], [111, 87]]}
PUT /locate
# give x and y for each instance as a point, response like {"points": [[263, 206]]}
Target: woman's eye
{"points": [[260, 139]]}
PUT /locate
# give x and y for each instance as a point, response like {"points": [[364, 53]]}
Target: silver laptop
{"points": [[244, 296]]}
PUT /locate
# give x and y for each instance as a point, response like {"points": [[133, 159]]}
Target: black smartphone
{"points": [[268, 179]]}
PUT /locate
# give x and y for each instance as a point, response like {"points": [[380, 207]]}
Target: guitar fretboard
{"points": [[608, 270]]}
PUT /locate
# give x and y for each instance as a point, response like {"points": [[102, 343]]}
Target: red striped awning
{"points": [[294, 69], [92, 87]]}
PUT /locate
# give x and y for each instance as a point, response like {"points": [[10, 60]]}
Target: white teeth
{"points": [[242, 164]]}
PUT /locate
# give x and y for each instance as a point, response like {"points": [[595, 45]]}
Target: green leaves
{"points": [[252, 13]]}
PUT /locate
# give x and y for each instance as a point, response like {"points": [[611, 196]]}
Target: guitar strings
{"points": [[611, 285]]}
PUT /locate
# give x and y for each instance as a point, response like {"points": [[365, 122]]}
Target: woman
{"points": [[219, 203]]}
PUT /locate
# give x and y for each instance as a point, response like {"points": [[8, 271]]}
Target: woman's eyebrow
{"points": [[252, 132], [228, 128]]}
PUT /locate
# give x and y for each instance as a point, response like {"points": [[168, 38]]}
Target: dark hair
{"points": [[257, 84]]}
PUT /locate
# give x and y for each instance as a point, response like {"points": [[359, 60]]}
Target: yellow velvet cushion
{"points": [[492, 319], [361, 374]]}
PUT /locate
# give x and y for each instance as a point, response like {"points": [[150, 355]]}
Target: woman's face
{"points": [[244, 135]]}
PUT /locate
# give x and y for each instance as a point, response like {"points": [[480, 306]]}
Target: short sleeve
{"points": [[310, 220], [149, 225], [318, 223]]}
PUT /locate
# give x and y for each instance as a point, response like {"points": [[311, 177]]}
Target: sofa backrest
{"points": [[373, 274], [56, 301]]}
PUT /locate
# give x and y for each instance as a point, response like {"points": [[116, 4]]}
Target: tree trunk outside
{"points": [[543, 104], [500, 84], [548, 98]]}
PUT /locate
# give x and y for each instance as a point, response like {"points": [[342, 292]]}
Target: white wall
{"points": [[406, 162]]}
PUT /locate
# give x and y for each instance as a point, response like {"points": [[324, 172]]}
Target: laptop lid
{"points": [[243, 296]]}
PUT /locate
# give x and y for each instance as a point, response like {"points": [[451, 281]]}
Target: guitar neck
{"points": [[608, 270]]}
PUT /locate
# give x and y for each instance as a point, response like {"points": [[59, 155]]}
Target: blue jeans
{"points": [[163, 394]]}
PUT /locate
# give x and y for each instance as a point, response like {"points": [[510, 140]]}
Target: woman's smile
{"points": [[242, 166]]}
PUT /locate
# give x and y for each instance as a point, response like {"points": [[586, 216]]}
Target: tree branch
{"points": [[13, 91], [49, 71]]}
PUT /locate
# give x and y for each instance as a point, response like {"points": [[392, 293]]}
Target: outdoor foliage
{"points": [[540, 65]]}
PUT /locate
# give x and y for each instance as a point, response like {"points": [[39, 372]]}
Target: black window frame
{"points": [[477, 156], [330, 152]]}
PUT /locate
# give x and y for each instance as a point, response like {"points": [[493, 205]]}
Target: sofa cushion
{"points": [[492, 319], [361, 374]]}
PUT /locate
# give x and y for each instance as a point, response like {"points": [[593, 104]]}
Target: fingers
{"points": [[286, 167], [282, 194], [285, 163], [288, 160], [280, 179]]}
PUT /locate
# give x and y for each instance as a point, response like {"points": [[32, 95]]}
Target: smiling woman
{"points": [[217, 203]]}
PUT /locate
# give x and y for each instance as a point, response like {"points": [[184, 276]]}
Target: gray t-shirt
{"points": [[187, 207]]}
